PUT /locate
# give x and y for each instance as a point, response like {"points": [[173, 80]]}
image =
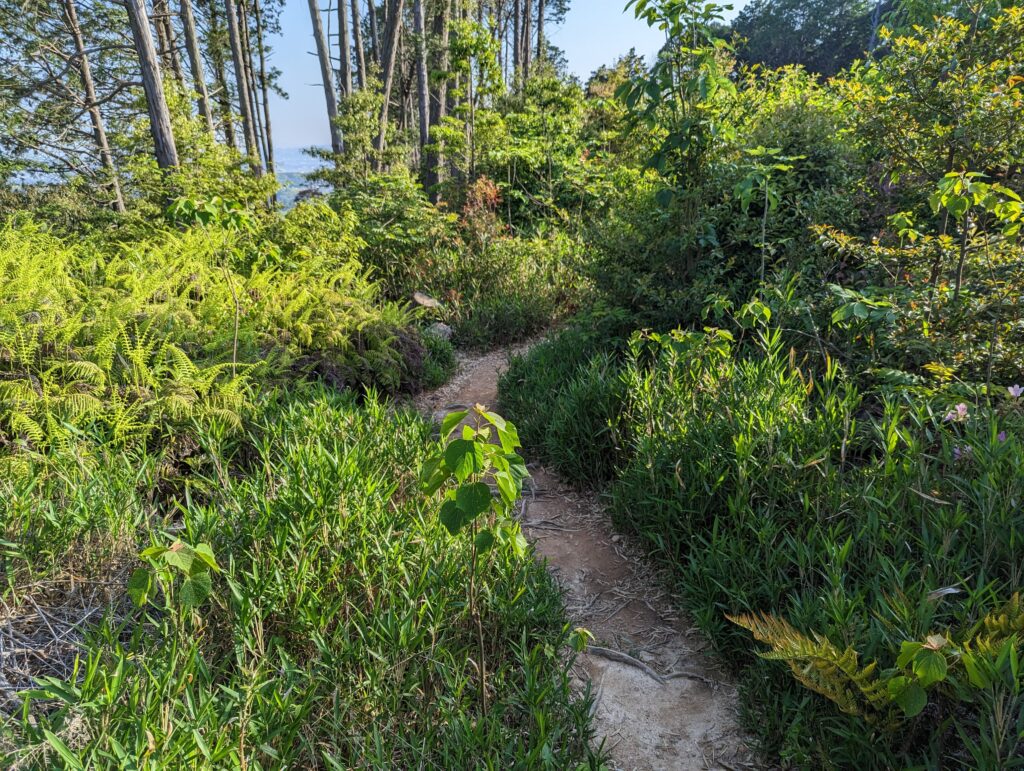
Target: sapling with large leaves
{"points": [[481, 454], [194, 564], [765, 162]]}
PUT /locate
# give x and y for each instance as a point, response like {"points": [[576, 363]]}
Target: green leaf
{"points": [[451, 516], [907, 652], [908, 695], [63, 750], [484, 541], [508, 487], [464, 457], [930, 666], [180, 556], [195, 589], [473, 499], [451, 421], [975, 673], [205, 554], [435, 473], [139, 586]]}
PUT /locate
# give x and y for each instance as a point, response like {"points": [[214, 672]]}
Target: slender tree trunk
{"points": [[542, 47], [165, 39], [250, 78], [98, 131], [326, 73], [374, 34], [221, 92], [344, 50], [152, 83], [195, 61], [517, 41], [264, 86], [527, 49], [439, 97], [357, 33], [422, 93], [393, 34], [876, 22], [242, 85], [498, 31]]}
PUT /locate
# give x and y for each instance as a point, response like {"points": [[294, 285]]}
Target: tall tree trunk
{"points": [[152, 83], [220, 75], [876, 22], [542, 46], [264, 86], [165, 40], [357, 33], [344, 50], [242, 85], [422, 94], [327, 74], [517, 41], [374, 34], [98, 132], [195, 61], [393, 33], [527, 48], [439, 97], [250, 78]]}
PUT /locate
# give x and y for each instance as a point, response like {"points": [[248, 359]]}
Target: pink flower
{"points": [[1001, 437], [1016, 391], [958, 413]]}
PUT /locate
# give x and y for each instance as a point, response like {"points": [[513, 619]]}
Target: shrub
{"points": [[123, 342], [763, 487], [440, 363]]}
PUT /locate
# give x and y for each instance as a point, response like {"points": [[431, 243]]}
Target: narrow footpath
{"points": [[661, 703]]}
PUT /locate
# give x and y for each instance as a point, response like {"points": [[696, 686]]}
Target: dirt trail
{"points": [[660, 701]]}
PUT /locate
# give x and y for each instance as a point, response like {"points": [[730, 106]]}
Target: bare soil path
{"points": [[661, 703]]}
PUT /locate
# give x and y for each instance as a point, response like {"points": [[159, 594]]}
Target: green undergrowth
{"points": [[766, 484], [336, 633]]}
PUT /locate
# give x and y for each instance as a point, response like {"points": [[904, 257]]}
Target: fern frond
{"points": [[818, 664]]}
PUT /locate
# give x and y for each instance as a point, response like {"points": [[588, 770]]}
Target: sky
{"points": [[595, 32]]}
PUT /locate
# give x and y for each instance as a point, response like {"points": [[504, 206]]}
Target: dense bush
{"points": [[121, 341], [760, 486]]}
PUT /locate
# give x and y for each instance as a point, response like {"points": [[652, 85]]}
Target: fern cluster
{"points": [[954, 669], [115, 342]]}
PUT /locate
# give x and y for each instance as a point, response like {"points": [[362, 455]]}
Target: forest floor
{"points": [[660, 700]]}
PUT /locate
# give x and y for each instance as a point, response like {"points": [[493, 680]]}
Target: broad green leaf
{"points": [[464, 457], [930, 666], [180, 556], [451, 420], [195, 589], [509, 437], [508, 487], [484, 541], [474, 499], [205, 555], [908, 695], [139, 585], [908, 650], [451, 516]]}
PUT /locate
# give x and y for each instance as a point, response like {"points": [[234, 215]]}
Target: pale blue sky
{"points": [[595, 32]]}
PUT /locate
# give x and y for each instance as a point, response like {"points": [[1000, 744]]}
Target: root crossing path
{"points": [[660, 701]]}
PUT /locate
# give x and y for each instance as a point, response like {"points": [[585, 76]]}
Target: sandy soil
{"points": [[661, 702]]}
